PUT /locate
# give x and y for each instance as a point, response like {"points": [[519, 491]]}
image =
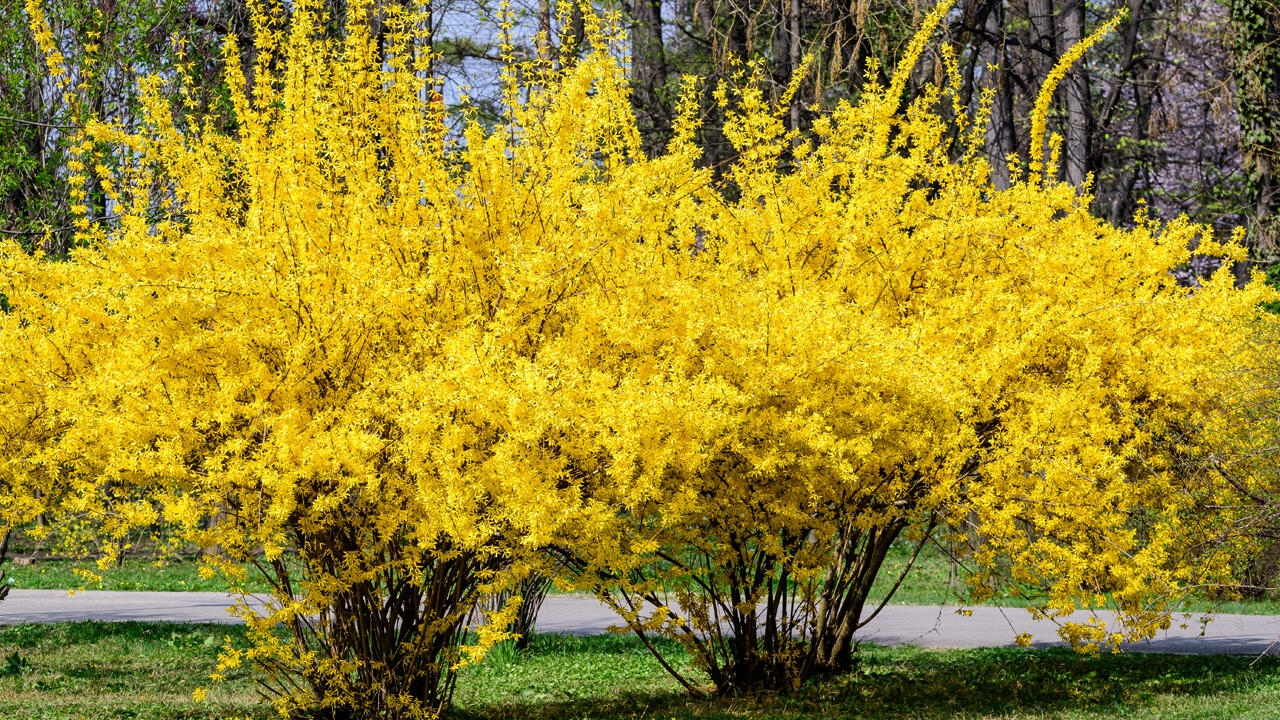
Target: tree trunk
{"points": [[4, 555], [649, 74], [546, 41], [1001, 141], [577, 32], [1042, 55], [1044, 45], [1075, 93], [793, 34], [1141, 77], [840, 613]]}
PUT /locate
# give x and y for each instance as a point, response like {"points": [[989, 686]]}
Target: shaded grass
{"points": [[549, 683], [148, 671]]}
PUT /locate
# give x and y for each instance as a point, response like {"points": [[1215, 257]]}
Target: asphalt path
{"points": [[928, 626]]}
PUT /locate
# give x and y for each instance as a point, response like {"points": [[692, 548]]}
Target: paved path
{"points": [[896, 625]]}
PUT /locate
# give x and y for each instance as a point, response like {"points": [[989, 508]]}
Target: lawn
{"points": [[102, 670], [135, 573], [148, 671]]}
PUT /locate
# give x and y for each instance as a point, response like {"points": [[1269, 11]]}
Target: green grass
{"points": [[566, 670], [932, 580], [135, 573], [105, 671], [141, 671]]}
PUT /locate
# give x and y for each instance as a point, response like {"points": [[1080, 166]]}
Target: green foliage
{"points": [[1273, 279]]}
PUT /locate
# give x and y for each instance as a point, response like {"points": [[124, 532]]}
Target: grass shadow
{"points": [[929, 683], [906, 683]]}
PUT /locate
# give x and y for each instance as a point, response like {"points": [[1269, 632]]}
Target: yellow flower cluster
{"points": [[43, 35]]}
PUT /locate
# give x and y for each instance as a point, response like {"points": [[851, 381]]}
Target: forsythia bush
{"points": [[396, 373], [342, 344], [877, 342]]}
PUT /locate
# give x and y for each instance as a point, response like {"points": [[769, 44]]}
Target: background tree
{"points": [[102, 50], [1155, 116], [1150, 116], [1255, 42]]}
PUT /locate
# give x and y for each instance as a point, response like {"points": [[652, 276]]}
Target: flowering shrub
{"points": [[340, 342], [876, 342], [397, 371]]}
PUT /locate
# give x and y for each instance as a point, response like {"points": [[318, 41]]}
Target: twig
{"points": [[53, 126]]}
